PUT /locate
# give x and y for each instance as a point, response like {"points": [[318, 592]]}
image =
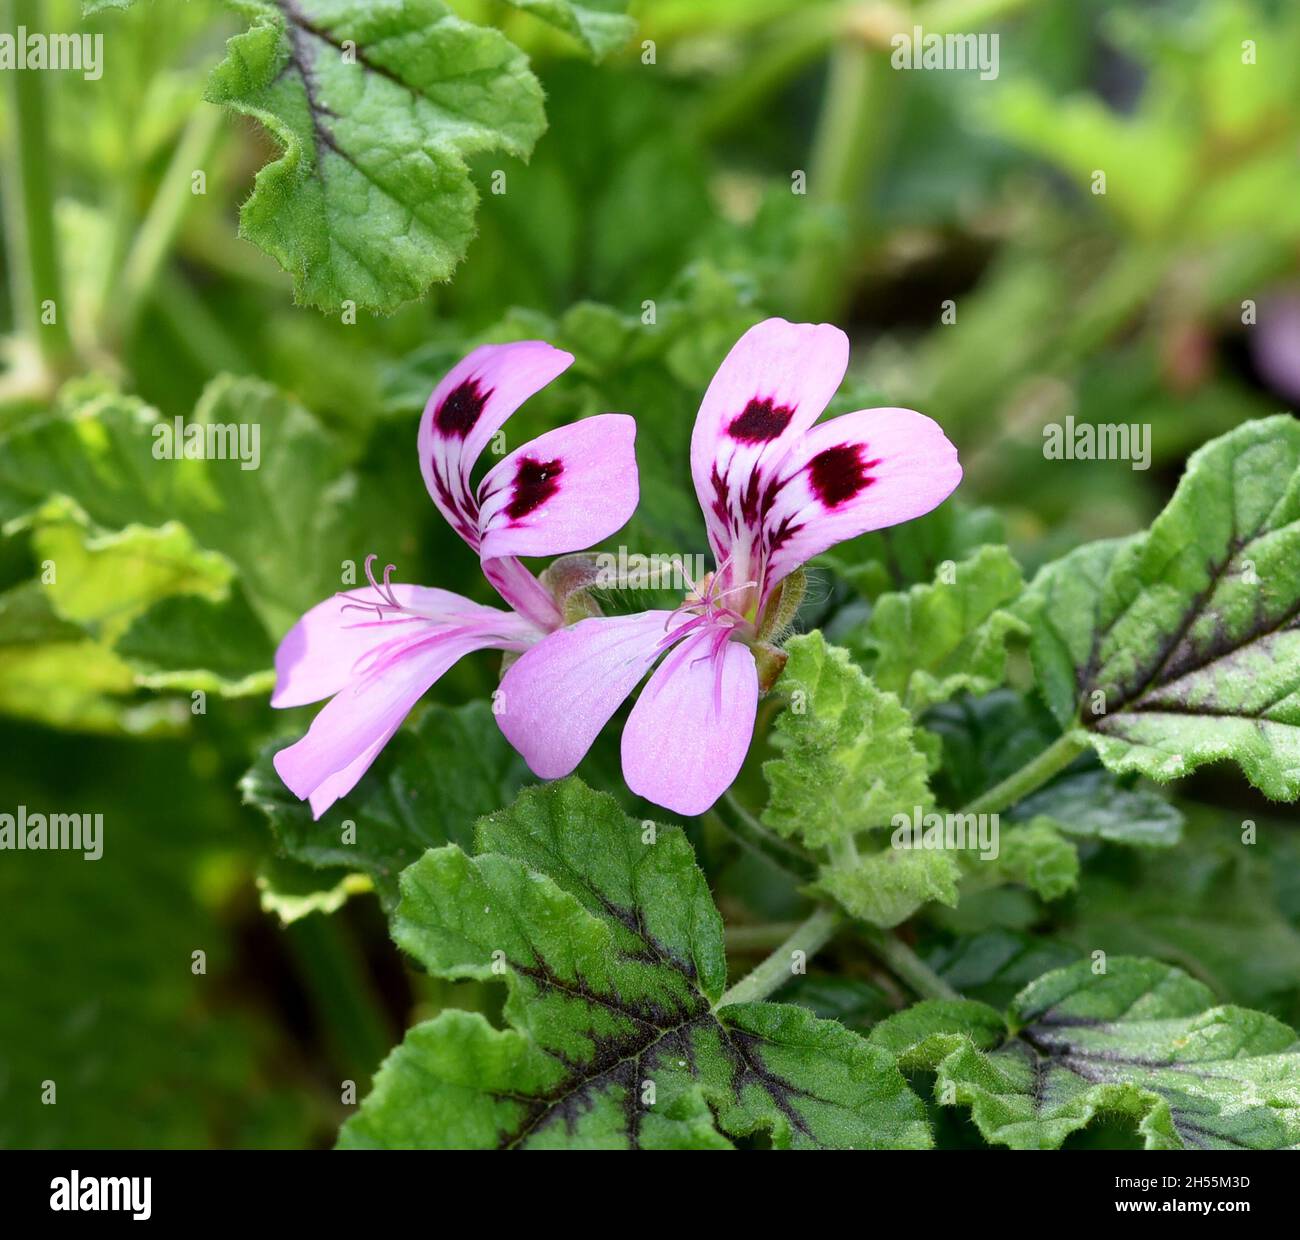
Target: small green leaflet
{"points": [[1143, 1040], [948, 636], [377, 106], [1181, 646], [609, 943], [848, 761], [602, 26], [1036, 854], [413, 798]]}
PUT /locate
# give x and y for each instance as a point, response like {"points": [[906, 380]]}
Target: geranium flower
{"points": [[375, 650], [776, 491]]}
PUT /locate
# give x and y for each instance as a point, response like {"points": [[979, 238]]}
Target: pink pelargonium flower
{"points": [[375, 650], [776, 491]]}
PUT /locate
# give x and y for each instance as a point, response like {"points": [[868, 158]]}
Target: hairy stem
{"points": [[775, 971], [741, 824], [1054, 759], [905, 964]]}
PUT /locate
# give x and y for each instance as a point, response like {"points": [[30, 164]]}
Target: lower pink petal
{"points": [[690, 730], [317, 656], [557, 696], [358, 721]]}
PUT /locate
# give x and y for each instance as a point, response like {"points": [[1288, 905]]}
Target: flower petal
{"points": [[859, 472], [564, 491], [467, 408], [358, 721], [688, 734], [771, 387], [557, 696], [317, 656]]}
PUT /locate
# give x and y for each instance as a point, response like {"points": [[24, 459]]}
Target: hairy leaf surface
{"points": [[1143, 1041], [611, 948], [1181, 646]]}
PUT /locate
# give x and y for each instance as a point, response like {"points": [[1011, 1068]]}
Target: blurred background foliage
{"points": [[664, 188]]}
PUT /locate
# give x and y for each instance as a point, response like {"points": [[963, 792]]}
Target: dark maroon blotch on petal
{"points": [[535, 483], [461, 408], [839, 473], [760, 421]]}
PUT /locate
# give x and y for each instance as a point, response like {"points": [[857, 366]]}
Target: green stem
{"points": [[33, 255], [844, 145], [760, 938], [905, 964], [1054, 759], [197, 329], [158, 232], [775, 971], [354, 1025], [741, 824]]}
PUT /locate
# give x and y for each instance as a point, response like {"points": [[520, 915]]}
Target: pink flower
{"points": [[776, 491], [375, 650]]}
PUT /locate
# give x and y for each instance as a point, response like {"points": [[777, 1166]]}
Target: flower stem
{"points": [[844, 144], [33, 256], [163, 221], [788, 856], [775, 971], [905, 964], [1054, 759]]}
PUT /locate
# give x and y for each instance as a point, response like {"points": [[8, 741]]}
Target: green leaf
{"points": [[1037, 855], [188, 569], [1211, 906], [377, 108], [427, 787], [602, 26], [1182, 646], [52, 672], [105, 580], [1093, 805], [1142, 1041], [185, 642], [611, 949], [940, 639], [849, 762], [888, 886]]}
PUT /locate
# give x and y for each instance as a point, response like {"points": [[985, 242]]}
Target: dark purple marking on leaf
{"points": [[535, 483], [761, 421], [461, 408], [838, 474]]}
